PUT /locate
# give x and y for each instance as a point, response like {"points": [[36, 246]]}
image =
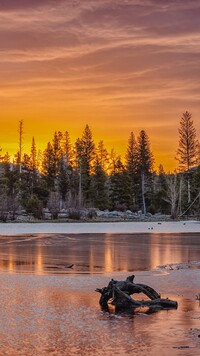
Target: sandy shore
{"points": [[112, 227]]}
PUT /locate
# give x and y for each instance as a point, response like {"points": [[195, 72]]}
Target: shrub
{"points": [[74, 214]]}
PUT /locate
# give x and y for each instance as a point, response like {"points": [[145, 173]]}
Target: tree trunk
{"points": [[143, 191], [189, 189]]}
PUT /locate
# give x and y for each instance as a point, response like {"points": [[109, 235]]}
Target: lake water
{"points": [[49, 309], [92, 254]]}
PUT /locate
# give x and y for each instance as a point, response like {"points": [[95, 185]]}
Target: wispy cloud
{"points": [[112, 57]]}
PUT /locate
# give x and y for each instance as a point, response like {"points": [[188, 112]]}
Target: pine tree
{"points": [[188, 147], [67, 149], [88, 147], [131, 159], [48, 166], [102, 156], [132, 155], [10, 187], [33, 155], [57, 151], [120, 187], [196, 191], [114, 159], [145, 163], [99, 179], [85, 153], [64, 179], [99, 188], [26, 162], [5, 158]]}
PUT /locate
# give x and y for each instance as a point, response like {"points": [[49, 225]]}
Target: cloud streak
{"points": [[118, 58]]}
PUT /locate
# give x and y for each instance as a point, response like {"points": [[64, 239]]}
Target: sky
{"points": [[118, 66]]}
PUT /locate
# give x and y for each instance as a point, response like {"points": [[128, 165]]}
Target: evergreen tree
{"points": [[196, 192], [198, 153], [5, 158], [120, 188], [33, 156], [188, 147], [145, 163], [79, 162], [114, 159], [29, 176], [10, 187], [102, 157], [64, 179], [99, 179], [67, 149], [57, 151], [85, 151], [131, 159], [132, 155], [26, 162], [34, 167], [88, 148], [48, 166], [16, 159]]}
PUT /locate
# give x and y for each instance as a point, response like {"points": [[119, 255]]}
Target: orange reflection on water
{"points": [[98, 253], [165, 250], [60, 314], [39, 265], [11, 262], [109, 255], [92, 260]]}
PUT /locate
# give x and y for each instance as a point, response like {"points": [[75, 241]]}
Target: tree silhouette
{"points": [[131, 160], [145, 163], [187, 147]]}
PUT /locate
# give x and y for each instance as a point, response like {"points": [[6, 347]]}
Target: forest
{"points": [[86, 177]]}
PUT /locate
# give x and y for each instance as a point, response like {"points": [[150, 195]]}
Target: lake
{"points": [[50, 309], [95, 253]]}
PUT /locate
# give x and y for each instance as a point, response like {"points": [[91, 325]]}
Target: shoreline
{"points": [[100, 227]]}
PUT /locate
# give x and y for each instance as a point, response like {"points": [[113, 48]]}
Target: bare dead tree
{"points": [[172, 193]]}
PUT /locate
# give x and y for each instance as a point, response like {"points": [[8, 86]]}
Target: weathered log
{"points": [[120, 293]]}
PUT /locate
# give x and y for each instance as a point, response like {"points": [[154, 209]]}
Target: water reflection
{"points": [[60, 315], [52, 311], [99, 253]]}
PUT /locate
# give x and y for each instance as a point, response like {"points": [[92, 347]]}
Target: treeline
{"points": [[85, 175]]}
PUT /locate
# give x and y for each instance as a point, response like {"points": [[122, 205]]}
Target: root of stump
{"points": [[119, 293]]}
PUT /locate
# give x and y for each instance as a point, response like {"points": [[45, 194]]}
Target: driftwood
{"points": [[119, 293]]}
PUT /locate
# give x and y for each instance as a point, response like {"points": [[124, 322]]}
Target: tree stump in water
{"points": [[120, 293]]}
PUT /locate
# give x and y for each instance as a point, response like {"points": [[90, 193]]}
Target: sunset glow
{"points": [[118, 66]]}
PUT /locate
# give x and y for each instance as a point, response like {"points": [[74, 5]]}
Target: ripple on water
{"points": [[51, 315]]}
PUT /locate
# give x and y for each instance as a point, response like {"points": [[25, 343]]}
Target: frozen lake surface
{"points": [[95, 253], [48, 309]]}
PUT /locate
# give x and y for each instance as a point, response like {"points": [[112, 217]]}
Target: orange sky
{"points": [[119, 66]]}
